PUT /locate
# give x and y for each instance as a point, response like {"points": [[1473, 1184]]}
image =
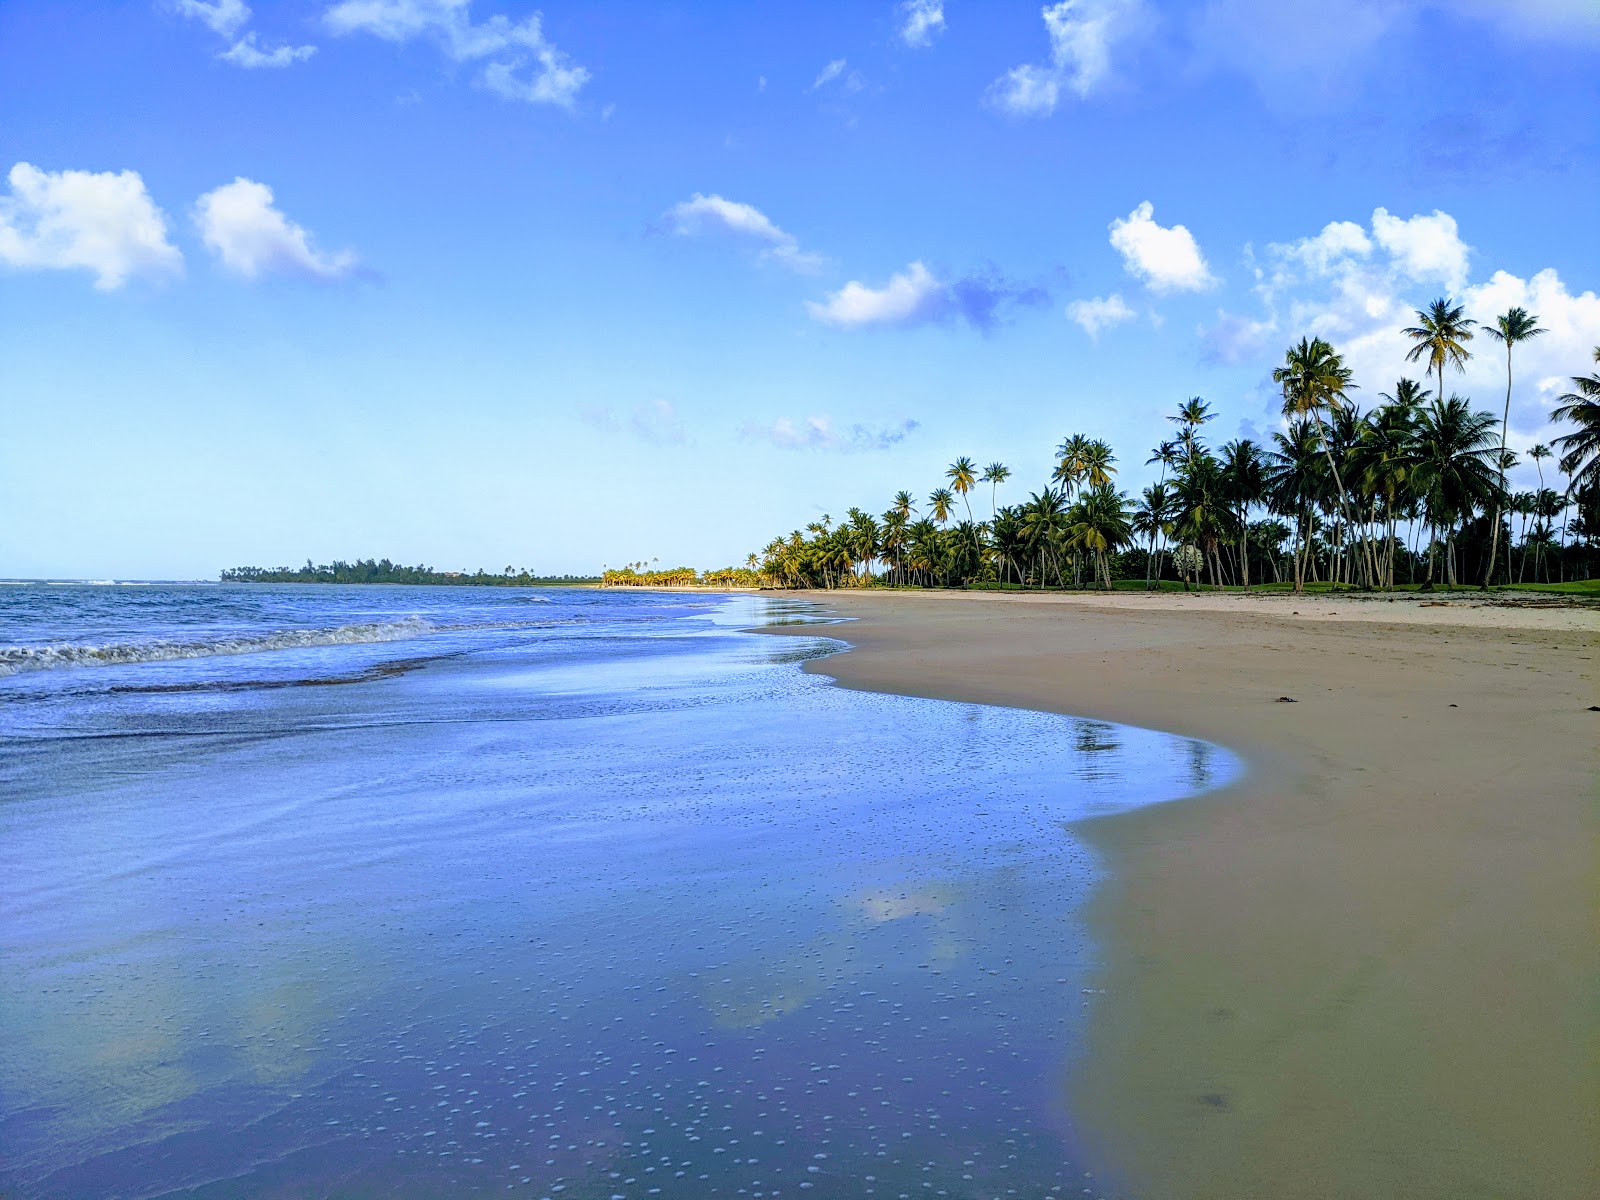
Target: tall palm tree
{"points": [[1095, 461], [1315, 379], [1455, 470], [1510, 328], [994, 475], [1243, 485], [904, 505], [1580, 450], [941, 501], [1070, 461], [962, 476], [1441, 334], [1192, 413], [1296, 483], [1099, 524], [1151, 519]]}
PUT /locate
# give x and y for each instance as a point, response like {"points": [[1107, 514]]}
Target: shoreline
{"points": [[1367, 968]]}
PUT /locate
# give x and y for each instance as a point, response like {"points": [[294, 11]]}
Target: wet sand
{"points": [[1372, 968]]}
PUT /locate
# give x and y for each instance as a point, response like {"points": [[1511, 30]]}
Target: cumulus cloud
{"points": [[101, 222], [1082, 34], [1359, 286], [701, 214], [655, 422], [519, 62], [1100, 313], [820, 433], [916, 296], [920, 20], [251, 237], [227, 19], [1167, 259]]}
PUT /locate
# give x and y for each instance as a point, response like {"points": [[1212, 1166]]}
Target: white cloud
{"points": [[1425, 248], [916, 296], [920, 20], [508, 47], [1360, 287], [701, 214], [251, 237], [1100, 313], [1082, 34], [227, 19], [1167, 258], [223, 17], [910, 297], [247, 52], [820, 433], [828, 73], [100, 222]]}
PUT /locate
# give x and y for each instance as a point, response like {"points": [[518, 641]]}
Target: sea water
{"points": [[556, 893]]}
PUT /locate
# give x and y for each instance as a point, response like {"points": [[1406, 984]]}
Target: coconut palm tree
{"points": [[1455, 470], [1296, 482], [994, 475], [1070, 461], [1510, 328], [1192, 413], [1042, 520], [1152, 518], [962, 476], [941, 501], [1315, 379], [1098, 525], [1441, 335], [1243, 484], [1580, 450]]}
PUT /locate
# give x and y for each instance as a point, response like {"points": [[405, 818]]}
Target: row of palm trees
{"points": [[1338, 494]]}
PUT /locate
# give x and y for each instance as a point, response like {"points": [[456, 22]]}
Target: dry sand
{"points": [[1371, 968]]}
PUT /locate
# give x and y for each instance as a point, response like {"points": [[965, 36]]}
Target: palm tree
{"points": [[1441, 334], [1455, 469], [941, 500], [962, 476], [1042, 520], [994, 475], [1243, 484], [1314, 378], [1070, 461], [1295, 483], [1580, 450], [1192, 413], [1099, 525], [1095, 461], [1514, 326], [1151, 519]]}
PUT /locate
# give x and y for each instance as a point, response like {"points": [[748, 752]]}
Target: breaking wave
{"points": [[16, 659]]}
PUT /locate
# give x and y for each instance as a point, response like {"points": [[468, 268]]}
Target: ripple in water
{"points": [[643, 913]]}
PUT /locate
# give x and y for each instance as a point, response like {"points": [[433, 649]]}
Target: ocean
{"points": [[352, 891]]}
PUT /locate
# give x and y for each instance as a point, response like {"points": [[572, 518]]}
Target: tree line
{"points": [[1410, 491], [368, 570]]}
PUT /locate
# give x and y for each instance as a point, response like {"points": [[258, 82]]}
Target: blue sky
{"points": [[479, 283]]}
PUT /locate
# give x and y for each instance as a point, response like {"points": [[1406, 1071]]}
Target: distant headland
{"points": [[367, 570]]}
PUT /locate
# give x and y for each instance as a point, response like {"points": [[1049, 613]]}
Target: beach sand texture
{"points": [[1370, 969]]}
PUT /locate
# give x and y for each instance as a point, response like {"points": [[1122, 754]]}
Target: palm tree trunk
{"points": [[1494, 533]]}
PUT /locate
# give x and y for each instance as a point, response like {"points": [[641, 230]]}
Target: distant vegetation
{"points": [[368, 570], [1408, 493], [637, 575]]}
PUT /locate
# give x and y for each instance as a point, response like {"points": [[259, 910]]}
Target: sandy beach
{"points": [[1371, 968]]}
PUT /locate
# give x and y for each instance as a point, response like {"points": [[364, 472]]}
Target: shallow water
{"points": [[567, 894]]}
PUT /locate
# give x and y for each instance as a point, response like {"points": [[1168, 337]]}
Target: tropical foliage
{"points": [[1411, 490]]}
